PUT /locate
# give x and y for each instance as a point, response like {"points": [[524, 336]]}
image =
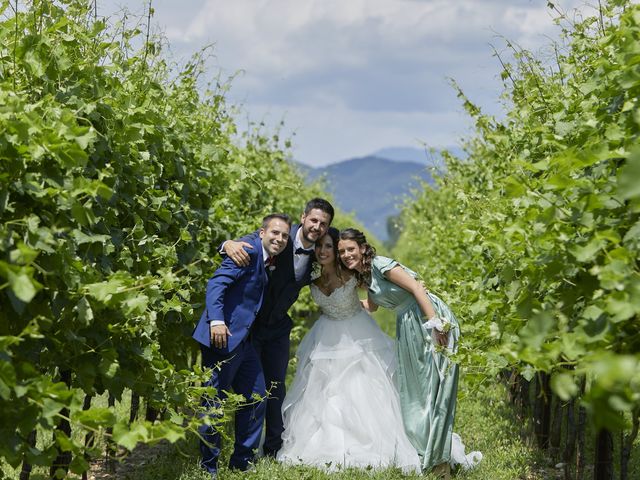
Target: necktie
{"points": [[270, 265], [302, 251]]}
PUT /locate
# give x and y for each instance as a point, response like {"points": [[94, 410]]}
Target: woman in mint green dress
{"points": [[426, 328]]}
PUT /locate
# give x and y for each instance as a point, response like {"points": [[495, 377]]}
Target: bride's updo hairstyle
{"points": [[356, 235]]}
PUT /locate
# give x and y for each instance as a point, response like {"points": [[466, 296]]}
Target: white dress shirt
{"points": [[300, 261]]}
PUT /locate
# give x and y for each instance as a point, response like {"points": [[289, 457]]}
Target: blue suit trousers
{"points": [[241, 372]]}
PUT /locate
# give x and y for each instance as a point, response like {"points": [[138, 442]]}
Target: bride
{"points": [[342, 409]]}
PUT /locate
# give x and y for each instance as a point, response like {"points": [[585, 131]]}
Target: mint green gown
{"points": [[427, 380]]}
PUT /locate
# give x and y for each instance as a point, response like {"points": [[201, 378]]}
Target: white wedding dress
{"points": [[342, 409]]}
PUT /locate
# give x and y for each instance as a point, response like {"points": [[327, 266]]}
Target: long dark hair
{"points": [[364, 277], [334, 233]]}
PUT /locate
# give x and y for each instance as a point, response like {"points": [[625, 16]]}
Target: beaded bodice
{"points": [[342, 304]]}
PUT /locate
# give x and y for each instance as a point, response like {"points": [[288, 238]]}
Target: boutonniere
{"points": [[270, 264], [316, 271]]}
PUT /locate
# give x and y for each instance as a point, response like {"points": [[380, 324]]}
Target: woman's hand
{"points": [[438, 330], [441, 338], [369, 305]]}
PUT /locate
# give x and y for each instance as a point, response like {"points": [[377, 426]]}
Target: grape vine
{"points": [[119, 177], [535, 235]]}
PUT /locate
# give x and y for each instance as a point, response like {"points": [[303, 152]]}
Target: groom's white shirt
{"points": [[300, 261]]}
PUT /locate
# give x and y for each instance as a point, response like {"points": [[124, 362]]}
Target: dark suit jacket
{"points": [[235, 295]]}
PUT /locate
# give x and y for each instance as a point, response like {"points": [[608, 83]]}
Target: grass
{"points": [[484, 421]]}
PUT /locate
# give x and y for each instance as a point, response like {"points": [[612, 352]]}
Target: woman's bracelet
{"points": [[440, 324]]}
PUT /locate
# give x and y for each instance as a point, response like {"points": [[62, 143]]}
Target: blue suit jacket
{"points": [[283, 289], [235, 295]]}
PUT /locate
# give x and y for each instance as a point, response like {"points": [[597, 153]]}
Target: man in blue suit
{"points": [[270, 332], [234, 297]]}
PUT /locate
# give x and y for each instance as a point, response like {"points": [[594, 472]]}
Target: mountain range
{"points": [[374, 187]]}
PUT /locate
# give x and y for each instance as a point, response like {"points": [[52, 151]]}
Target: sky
{"points": [[351, 77]]}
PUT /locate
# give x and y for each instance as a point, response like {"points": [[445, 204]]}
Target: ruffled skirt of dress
{"points": [[343, 407]]}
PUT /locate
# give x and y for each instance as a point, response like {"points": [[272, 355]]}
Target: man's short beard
{"points": [[304, 235]]}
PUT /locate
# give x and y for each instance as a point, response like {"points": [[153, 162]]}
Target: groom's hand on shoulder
{"points": [[237, 253]]}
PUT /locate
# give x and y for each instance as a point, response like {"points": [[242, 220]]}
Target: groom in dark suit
{"points": [[234, 297], [270, 332]]}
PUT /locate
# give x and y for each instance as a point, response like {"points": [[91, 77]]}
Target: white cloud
{"points": [[335, 133], [357, 75]]}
